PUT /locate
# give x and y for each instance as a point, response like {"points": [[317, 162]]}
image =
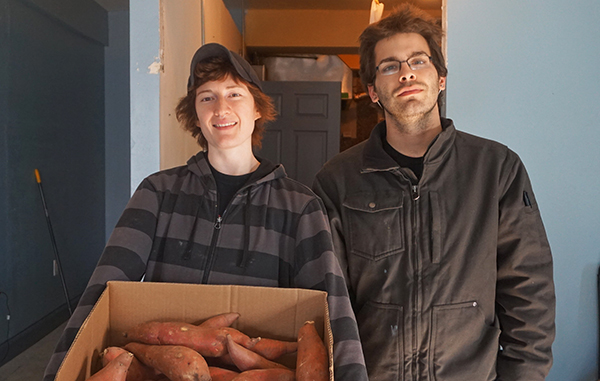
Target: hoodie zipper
{"points": [[211, 258]]}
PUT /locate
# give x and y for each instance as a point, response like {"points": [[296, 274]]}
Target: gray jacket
{"points": [[451, 279]]}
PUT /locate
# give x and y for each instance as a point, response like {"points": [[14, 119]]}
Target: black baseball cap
{"points": [[216, 50]]}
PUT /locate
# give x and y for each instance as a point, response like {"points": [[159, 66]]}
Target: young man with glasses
{"points": [[438, 231]]}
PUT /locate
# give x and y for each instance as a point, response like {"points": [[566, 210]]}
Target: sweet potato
{"points": [[220, 374], [312, 360], [245, 359], [177, 362], [137, 371], [115, 370], [221, 362], [273, 349], [209, 342], [220, 321], [266, 375]]}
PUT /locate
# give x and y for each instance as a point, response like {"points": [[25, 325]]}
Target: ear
{"points": [[442, 83], [257, 115], [372, 93]]}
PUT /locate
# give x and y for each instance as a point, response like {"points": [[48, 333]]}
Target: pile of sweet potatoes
{"points": [[213, 350]]}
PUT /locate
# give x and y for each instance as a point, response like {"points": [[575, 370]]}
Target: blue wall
{"points": [[52, 118], [4, 271], [117, 132], [525, 74]]}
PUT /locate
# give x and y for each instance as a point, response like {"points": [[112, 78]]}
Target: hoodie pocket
{"points": [[463, 345], [375, 226], [381, 334]]}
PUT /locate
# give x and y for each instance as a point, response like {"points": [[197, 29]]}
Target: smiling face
{"points": [[409, 95], [226, 114]]}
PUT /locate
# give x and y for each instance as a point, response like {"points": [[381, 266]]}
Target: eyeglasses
{"points": [[418, 62]]}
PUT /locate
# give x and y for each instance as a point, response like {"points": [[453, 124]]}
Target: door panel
{"points": [[307, 131], [314, 145]]}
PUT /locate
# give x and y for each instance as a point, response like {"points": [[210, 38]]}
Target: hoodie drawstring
{"points": [[244, 259], [187, 253]]}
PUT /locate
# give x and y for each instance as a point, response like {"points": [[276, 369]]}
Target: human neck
{"points": [[233, 162], [412, 137]]}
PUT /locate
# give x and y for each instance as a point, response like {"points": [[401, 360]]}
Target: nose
{"points": [[221, 107], [406, 73]]}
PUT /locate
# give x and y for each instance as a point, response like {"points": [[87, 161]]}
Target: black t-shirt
{"points": [[415, 164], [227, 187]]}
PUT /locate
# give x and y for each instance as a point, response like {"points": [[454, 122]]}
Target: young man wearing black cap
{"points": [[227, 217], [438, 231]]}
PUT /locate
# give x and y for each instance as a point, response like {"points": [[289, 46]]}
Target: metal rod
{"points": [[56, 256]]}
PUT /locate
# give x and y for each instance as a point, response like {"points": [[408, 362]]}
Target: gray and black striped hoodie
{"points": [[273, 233]]}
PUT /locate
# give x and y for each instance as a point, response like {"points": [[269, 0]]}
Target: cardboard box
{"points": [[276, 313]]}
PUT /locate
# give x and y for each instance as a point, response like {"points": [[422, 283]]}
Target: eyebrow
{"points": [[413, 54], [227, 88]]}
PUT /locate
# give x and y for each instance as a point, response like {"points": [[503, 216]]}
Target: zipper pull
{"points": [[415, 192], [218, 223]]}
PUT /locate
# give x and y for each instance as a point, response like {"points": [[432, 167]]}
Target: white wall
{"points": [[525, 74], [144, 61], [182, 28]]}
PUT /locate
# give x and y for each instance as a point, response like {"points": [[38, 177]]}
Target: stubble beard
{"points": [[410, 117]]}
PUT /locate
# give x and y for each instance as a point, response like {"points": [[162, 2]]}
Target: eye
{"points": [[235, 95], [419, 61], [205, 99], [389, 67]]}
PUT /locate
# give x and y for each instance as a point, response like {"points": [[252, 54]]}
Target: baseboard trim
{"points": [[34, 333]]}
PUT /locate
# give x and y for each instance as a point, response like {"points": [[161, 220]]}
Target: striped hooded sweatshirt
{"points": [[273, 233]]}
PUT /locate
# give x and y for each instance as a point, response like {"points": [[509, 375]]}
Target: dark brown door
{"points": [[307, 131]]}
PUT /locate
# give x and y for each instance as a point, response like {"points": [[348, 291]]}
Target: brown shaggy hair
{"points": [[404, 19], [217, 69]]}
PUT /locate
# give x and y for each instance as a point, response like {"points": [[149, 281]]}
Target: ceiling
{"points": [[121, 5], [326, 4]]}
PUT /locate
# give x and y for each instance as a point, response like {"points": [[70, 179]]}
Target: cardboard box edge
{"points": [[327, 332], [98, 303]]}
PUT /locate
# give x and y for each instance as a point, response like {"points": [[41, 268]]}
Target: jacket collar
{"points": [[376, 159]]}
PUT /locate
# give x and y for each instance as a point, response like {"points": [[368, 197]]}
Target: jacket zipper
{"points": [[415, 197], [210, 260], [415, 368], [415, 192]]}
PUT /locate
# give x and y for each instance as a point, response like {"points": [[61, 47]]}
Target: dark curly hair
{"points": [[217, 69], [404, 19]]}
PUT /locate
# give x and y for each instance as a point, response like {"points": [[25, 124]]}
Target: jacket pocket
{"points": [[375, 226], [463, 345], [380, 327]]}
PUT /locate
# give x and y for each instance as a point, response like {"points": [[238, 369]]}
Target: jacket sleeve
{"points": [[525, 299], [124, 258], [317, 267]]}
